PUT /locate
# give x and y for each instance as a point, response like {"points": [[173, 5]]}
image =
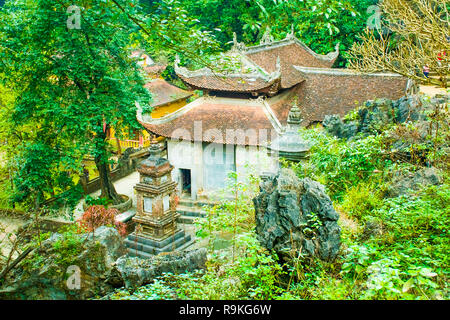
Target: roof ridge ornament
{"points": [[291, 35], [178, 69], [237, 46], [267, 38], [277, 73], [155, 148]]}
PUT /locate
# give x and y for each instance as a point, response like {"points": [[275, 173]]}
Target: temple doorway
{"points": [[185, 181]]}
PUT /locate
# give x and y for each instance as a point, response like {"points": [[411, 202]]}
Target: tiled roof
{"points": [[155, 69], [164, 93], [221, 83], [264, 57], [324, 92], [214, 120], [337, 91], [291, 53]]}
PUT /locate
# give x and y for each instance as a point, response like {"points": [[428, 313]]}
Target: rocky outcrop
{"points": [[134, 272], [336, 127], [412, 181], [51, 272], [296, 215], [98, 260], [377, 114]]}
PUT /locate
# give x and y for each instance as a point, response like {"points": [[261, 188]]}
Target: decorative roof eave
{"points": [[146, 118], [252, 120], [185, 73], [270, 88], [173, 101]]}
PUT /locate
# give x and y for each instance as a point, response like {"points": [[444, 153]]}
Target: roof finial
{"points": [[291, 35], [154, 148], [295, 114], [267, 38], [278, 65], [237, 46]]}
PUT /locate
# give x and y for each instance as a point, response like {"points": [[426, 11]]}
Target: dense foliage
{"points": [[393, 247], [320, 24], [71, 84]]}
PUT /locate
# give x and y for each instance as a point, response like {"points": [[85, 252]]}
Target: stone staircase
{"points": [[189, 210], [145, 248]]}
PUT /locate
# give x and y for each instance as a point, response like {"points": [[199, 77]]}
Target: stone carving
{"points": [[296, 216], [295, 115], [267, 38], [237, 46]]}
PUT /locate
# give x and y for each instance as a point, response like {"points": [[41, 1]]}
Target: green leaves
{"points": [[67, 82]]}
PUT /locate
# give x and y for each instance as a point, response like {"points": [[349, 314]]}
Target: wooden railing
{"points": [[141, 143]]}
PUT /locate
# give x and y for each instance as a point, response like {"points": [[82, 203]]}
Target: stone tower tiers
{"points": [[156, 225]]}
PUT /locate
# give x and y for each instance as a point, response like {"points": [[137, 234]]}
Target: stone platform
{"points": [[145, 248]]}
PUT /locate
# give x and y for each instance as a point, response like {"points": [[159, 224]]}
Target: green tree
{"points": [[68, 64], [321, 24]]}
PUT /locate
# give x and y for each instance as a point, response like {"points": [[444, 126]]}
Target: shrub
{"points": [[340, 164], [97, 201], [360, 200], [97, 216]]}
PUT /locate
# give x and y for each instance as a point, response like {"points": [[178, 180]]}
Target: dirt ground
{"points": [[8, 225], [433, 90]]}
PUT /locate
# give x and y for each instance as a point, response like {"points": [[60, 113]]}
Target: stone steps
{"points": [[186, 220], [145, 247], [195, 203], [190, 210]]}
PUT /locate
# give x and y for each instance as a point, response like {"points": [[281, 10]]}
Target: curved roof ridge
{"points": [[205, 71], [342, 72], [291, 39]]}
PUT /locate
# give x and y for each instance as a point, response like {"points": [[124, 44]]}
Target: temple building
{"points": [[166, 98], [245, 108]]}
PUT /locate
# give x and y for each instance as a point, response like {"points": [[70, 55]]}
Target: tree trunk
{"points": [[108, 190]]}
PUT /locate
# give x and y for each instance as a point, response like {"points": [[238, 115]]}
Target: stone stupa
{"points": [[156, 226]]}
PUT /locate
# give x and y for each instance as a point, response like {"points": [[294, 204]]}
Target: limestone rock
{"points": [[47, 277], [103, 266], [295, 214], [375, 115], [135, 272], [336, 127], [413, 181]]}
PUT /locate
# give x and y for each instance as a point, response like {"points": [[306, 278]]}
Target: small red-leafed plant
{"points": [[97, 216]]}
